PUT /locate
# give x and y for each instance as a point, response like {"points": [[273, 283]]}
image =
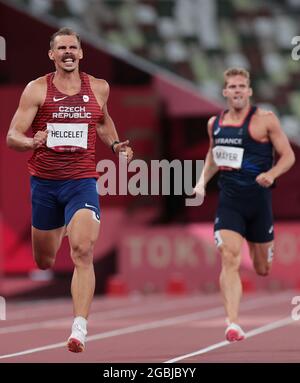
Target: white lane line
{"points": [[127, 330], [104, 315], [251, 304], [133, 302], [260, 330]]}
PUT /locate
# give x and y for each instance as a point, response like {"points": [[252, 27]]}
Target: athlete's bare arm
{"points": [[32, 97], [210, 168], [106, 129], [282, 147]]}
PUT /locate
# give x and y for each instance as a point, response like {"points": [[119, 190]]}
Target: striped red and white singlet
{"points": [[71, 123]]}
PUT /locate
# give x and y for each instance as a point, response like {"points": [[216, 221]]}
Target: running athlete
{"points": [[66, 110], [242, 141]]}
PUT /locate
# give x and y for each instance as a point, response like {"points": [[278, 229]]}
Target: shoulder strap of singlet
{"points": [[252, 110], [49, 78], [85, 83], [216, 121], [85, 79]]}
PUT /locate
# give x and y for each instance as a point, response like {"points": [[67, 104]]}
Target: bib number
{"points": [[228, 156], [67, 137]]}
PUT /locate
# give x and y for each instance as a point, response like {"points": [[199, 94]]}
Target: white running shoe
{"points": [[234, 333], [77, 338]]}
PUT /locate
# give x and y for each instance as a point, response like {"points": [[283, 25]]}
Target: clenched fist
{"points": [[39, 139], [124, 150], [265, 179]]}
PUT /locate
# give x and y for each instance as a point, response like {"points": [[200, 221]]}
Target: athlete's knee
{"points": [[262, 270], [263, 261], [82, 253], [230, 256], [44, 262]]}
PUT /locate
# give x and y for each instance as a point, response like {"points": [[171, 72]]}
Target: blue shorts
{"points": [[249, 215], [54, 202]]}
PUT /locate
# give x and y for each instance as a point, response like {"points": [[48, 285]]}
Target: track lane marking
{"points": [[249, 305], [27, 313], [109, 314], [259, 330]]}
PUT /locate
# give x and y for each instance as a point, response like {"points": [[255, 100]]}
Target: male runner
{"points": [[242, 142], [66, 110]]}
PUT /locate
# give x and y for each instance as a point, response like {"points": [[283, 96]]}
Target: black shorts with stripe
{"points": [[247, 214]]}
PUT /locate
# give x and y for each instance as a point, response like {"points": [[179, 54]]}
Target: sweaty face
{"points": [[237, 92], [66, 53]]}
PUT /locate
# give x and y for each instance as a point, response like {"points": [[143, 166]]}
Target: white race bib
{"points": [[228, 156], [75, 135]]}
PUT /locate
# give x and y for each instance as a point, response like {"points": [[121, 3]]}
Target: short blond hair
{"points": [[230, 72]]}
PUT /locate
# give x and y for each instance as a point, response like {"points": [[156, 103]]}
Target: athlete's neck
{"points": [[67, 82], [238, 114]]}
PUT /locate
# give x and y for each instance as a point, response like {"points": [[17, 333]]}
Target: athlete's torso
{"points": [[71, 124], [240, 157]]}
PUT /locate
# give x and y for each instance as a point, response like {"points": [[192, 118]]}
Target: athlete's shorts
{"points": [[54, 202], [249, 215]]}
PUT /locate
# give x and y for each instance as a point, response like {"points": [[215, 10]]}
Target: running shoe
{"points": [[234, 333], [77, 338]]}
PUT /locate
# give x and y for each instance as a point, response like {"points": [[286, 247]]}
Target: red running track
{"points": [[155, 328]]}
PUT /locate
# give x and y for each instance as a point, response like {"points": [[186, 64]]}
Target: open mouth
{"points": [[68, 60]]}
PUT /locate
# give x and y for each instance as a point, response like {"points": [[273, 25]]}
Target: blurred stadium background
{"points": [[164, 60]]}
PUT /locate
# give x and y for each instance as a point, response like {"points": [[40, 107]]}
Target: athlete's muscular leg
{"points": [[230, 245], [262, 256], [45, 244], [83, 232]]}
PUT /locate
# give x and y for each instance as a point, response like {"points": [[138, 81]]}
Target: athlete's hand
{"points": [[265, 179], [39, 139], [123, 149], [199, 191]]}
